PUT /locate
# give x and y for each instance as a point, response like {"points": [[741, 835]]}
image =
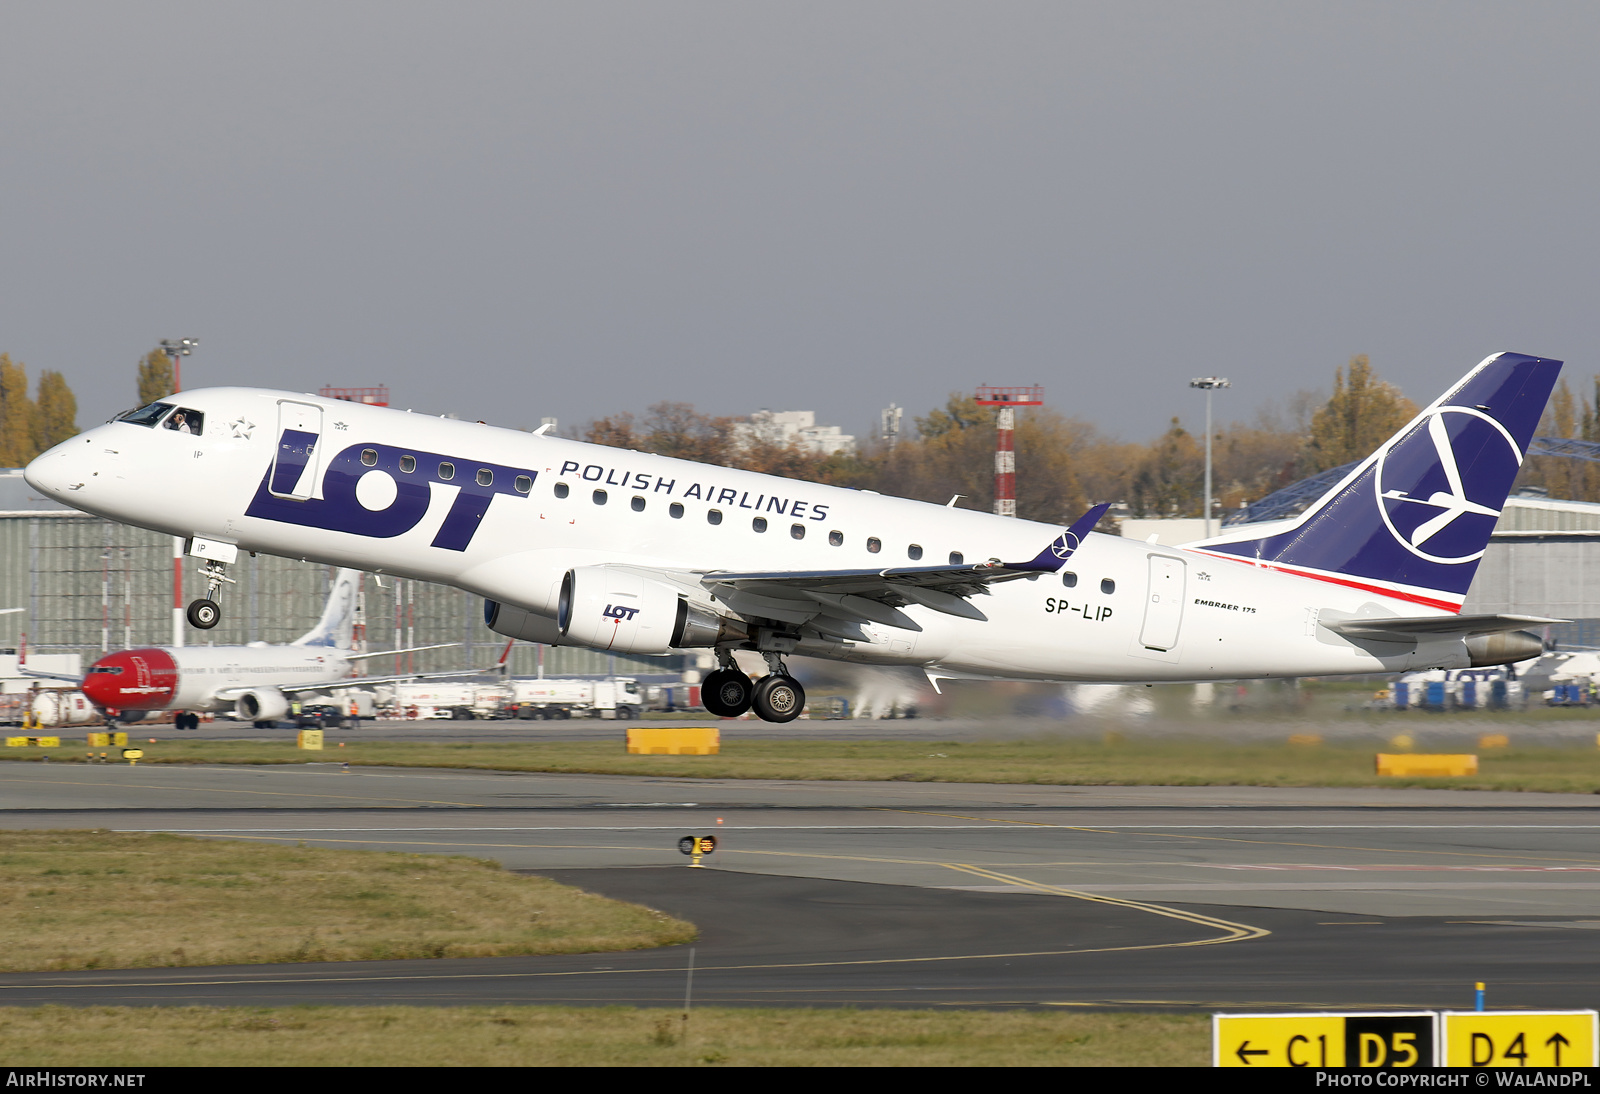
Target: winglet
{"points": [[1055, 556]]}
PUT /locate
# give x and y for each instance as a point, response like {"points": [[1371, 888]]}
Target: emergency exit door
{"points": [[1163, 608]]}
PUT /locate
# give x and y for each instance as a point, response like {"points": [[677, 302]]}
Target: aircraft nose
{"points": [[102, 684], [58, 472]]}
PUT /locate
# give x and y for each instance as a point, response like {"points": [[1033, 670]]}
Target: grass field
{"points": [[96, 899], [609, 1037], [1168, 761]]}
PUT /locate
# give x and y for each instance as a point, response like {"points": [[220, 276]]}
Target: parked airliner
{"points": [[257, 682], [579, 544]]}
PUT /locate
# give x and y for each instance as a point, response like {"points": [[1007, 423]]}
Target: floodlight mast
{"points": [[1208, 384], [1005, 455], [178, 349]]}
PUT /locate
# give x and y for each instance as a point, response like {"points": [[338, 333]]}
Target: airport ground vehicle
{"points": [[461, 700], [553, 697]]}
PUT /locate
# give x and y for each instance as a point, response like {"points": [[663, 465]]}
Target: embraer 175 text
{"points": [[578, 544], [256, 682]]}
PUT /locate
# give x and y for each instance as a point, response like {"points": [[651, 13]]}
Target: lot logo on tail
{"points": [[1424, 502]]}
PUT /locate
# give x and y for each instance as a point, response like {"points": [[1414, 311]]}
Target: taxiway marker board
{"points": [[1354, 1039], [1549, 1038]]}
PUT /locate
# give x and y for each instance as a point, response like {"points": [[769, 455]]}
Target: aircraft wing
{"points": [[226, 694], [876, 596], [391, 653], [1436, 626], [78, 679]]}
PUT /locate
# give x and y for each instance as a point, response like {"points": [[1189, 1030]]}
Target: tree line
{"points": [[1064, 463], [31, 424]]}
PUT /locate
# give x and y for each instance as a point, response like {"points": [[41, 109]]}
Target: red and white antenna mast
{"points": [[1005, 453]]}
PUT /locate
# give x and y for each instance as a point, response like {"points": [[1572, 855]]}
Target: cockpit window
{"points": [[146, 416], [185, 420]]}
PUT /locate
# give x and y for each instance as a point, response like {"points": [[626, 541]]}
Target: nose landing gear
{"points": [[205, 613]]}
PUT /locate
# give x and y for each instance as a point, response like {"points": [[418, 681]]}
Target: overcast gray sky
{"points": [[512, 210]]}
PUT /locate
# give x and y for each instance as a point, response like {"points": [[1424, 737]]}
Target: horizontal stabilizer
{"points": [[1393, 629]]}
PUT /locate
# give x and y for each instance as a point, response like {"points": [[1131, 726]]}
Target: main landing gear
{"points": [[776, 697], [205, 613]]}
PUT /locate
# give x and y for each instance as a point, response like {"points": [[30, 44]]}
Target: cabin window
{"points": [[523, 484], [874, 544], [759, 524], [714, 516], [369, 456], [913, 552], [676, 510], [599, 497], [485, 477], [836, 539], [638, 504], [447, 471], [562, 490], [1069, 579], [184, 420], [408, 464], [956, 558], [797, 531], [1107, 586], [146, 416]]}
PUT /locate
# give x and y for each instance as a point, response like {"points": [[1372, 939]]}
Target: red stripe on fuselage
{"points": [[1393, 594]]}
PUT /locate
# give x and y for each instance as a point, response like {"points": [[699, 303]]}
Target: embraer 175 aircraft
{"points": [[255, 681], [579, 544]]}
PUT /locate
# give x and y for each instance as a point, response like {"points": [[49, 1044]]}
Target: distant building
{"points": [[784, 427]]}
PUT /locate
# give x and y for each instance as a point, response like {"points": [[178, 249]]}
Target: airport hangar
{"points": [[89, 586]]}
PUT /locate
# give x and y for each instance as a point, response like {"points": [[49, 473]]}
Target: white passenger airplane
{"points": [[257, 682], [579, 544]]}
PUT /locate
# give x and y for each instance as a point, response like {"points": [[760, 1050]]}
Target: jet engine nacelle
{"points": [[515, 622], [1506, 648], [613, 608], [261, 705]]}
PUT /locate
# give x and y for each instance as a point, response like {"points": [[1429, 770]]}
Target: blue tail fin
{"points": [[1412, 520]]}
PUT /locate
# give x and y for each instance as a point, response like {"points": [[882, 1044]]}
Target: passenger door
{"points": [[1163, 609], [295, 462]]}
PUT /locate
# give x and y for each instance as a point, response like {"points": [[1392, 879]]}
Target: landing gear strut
{"points": [[205, 612]]}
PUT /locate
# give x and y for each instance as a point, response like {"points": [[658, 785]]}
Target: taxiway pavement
{"points": [[914, 894]]}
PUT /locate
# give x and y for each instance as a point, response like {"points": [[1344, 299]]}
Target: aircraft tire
{"points": [[204, 614], [727, 693], [778, 698]]}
